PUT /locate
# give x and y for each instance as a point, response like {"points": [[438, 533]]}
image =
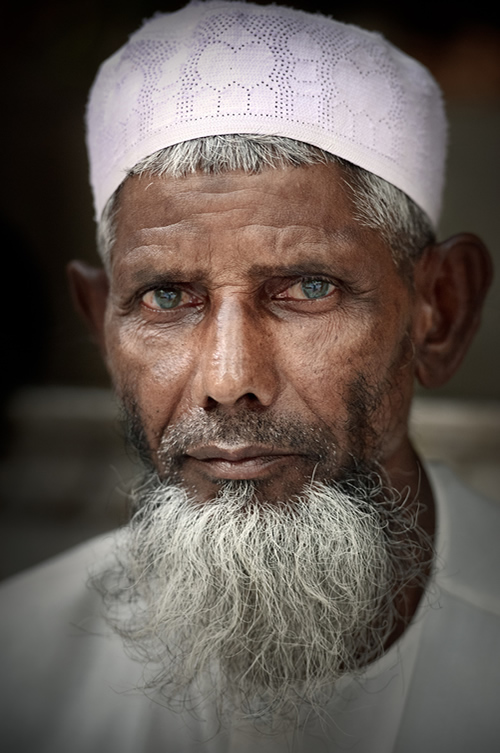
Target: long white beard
{"points": [[273, 602]]}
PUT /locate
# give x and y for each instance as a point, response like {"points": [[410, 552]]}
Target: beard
{"points": [[263, 606]]}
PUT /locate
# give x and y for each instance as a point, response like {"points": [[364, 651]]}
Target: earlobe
{"points": [[451, 282], [89, 289]]}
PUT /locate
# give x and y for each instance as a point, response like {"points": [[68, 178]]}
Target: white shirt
{"points": [[68, 687]]}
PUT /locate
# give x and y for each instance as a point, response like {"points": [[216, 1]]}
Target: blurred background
{"points": [[63, 467]]}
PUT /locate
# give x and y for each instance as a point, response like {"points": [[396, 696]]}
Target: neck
{"points": [[407, 472]]}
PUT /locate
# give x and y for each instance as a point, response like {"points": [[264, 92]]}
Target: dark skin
{"points": [[260, 293]]}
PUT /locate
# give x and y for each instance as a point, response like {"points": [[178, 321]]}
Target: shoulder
{"points": [[452, 702], [48, 612], [468, 532], [61, 668], [53, 587]]}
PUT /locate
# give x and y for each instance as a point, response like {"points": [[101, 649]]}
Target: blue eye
{"points": [[167, 299], [314, 288], [308, 289], [171, 299]]}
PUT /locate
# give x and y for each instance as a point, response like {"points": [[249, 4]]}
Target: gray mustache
{"points": [[249, 428]]}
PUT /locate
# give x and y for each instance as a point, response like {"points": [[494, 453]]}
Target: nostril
{"points": [[211, 404], [249, 398]]}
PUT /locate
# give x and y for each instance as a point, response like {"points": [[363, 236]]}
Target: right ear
{"points": [[89, 288]]}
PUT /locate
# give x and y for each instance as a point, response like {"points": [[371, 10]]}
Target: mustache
{"points": [[247, 428], [289, 433]]}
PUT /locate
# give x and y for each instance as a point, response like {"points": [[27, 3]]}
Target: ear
{"points": [[89, 289], [451, 281]]}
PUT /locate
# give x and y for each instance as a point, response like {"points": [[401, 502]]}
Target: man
{"points": [[267, 187]]}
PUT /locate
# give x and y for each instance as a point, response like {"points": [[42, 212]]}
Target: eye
{"points": [[166, 299], [308, 289]]}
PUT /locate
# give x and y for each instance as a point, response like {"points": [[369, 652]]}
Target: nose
{"points": [[236, 360]]}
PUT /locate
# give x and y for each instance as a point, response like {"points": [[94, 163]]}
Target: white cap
{"points": [[223, 67]]}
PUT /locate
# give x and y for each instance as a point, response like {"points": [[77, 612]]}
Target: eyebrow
{"points": [[257, 272], [302, 269], [314, 263]]}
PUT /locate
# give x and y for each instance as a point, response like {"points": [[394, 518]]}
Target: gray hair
{"points": [[377, 204]]}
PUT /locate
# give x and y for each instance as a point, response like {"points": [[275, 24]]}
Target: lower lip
{"points": [[245, 469]]}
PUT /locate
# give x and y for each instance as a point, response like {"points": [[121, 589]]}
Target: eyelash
{"points": [[279, 295], [303, 281], [179, 289]]}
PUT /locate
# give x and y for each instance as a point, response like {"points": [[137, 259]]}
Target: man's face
{"points": [[256, 333], [256, 330]]}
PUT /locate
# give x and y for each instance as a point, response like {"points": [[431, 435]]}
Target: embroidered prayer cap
{"points": [[223, 67]]}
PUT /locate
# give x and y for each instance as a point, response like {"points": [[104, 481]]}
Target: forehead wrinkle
{"points": [[146, 237], [317, 245], [279, 239]]}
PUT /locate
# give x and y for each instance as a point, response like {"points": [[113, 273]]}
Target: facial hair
{"points": [[268, 604], [262, 603]]}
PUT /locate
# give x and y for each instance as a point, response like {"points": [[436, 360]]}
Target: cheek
{"points": [[322, 360], [151, 370], [355, 377]]}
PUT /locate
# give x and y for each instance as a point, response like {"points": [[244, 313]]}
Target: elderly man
{"points": [[267, 186]]}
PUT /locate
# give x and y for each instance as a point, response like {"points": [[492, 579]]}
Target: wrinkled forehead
{"points": [[288, 193], [281, 217], [229, 67]]}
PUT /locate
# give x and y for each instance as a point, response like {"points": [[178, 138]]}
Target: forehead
{"points": [[283, 214]]}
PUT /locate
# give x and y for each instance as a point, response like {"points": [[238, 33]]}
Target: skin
{"points": [[234, 252]]}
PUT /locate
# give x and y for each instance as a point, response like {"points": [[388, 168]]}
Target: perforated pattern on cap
{"points": [[231, 67]]}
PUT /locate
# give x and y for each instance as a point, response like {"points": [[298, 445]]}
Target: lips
{"points": [[246, 462]]}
